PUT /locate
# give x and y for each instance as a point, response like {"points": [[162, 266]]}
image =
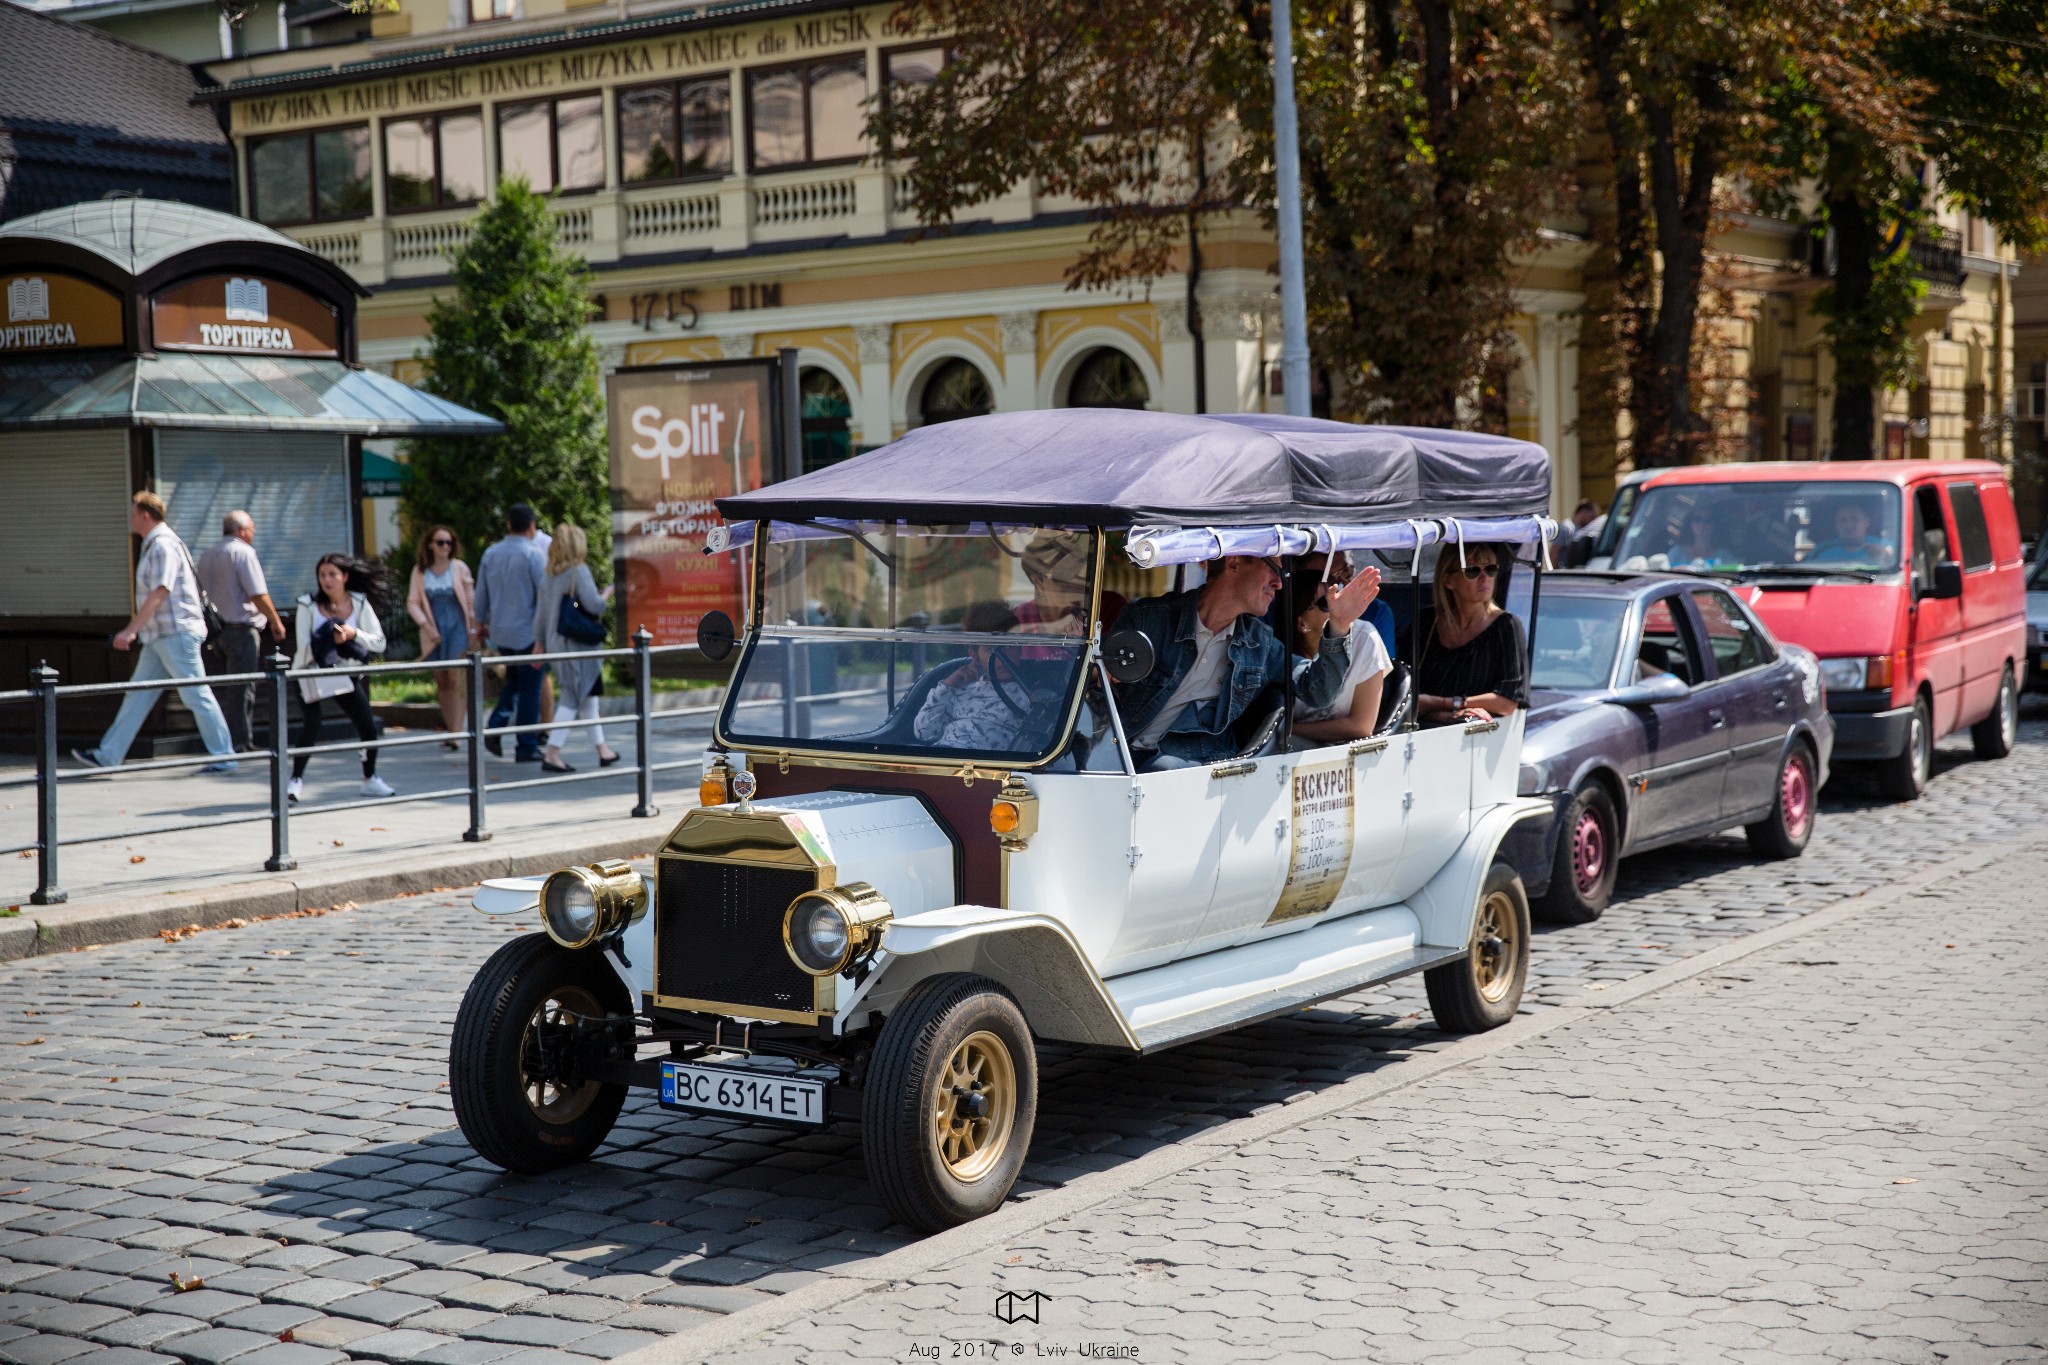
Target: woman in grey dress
{"points": [[577, 681]]}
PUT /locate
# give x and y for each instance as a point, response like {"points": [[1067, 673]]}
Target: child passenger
{"points": [[966, 710]]}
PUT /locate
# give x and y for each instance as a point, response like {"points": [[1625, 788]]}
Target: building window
{"points": [[808, 115], [955, 389], [310, 177], [675, 132], [827, 420], [1107, 378], [434, 163], [555, 144], [484, 11]]}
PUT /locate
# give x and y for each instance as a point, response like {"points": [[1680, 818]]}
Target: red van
{"points": [[1904, 576]]}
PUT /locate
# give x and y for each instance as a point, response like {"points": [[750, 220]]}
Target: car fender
{"points": [[1032, 956], [1447, 906], [1600, 768], [631, 955]]}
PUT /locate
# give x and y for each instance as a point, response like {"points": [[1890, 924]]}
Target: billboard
{"points": [[682, 435]]}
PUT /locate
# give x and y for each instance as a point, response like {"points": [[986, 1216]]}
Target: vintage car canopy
{"points": [[1112, 467]]}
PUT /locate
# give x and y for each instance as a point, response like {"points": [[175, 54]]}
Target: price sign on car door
{"points": [[1321, 854]]}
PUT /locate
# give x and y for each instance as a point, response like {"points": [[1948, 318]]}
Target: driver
{"points": [[1854, 543], [981, 704], [1215, 654]]}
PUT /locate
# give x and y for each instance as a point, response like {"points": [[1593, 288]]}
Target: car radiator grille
{"points": [[718, 932]]}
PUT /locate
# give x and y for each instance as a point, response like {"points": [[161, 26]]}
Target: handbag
{"points": [[578, 625], [208, 613], [326, 685]]}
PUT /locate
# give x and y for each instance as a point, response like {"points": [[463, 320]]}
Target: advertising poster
{"points": [[1321, 856], [681, 436]]}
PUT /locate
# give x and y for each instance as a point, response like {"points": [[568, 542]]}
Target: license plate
{"points": [[729, 1090]]}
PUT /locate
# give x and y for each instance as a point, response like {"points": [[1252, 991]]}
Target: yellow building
{"points": [[709, 161]]}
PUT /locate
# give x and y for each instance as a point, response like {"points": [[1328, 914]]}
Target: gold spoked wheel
{"points": [[1495, 947], [550, 1100], [976, 1106]]}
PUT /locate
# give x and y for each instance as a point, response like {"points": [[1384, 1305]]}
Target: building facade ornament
{"points": [[737, 345], [1173, 319], [1240, 317], [1020, 332], [872, 339]]}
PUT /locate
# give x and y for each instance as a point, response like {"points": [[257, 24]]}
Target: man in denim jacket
{"points": [[1215, 654]]}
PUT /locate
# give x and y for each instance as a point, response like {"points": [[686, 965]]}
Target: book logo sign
{"points": [[28, 299], [248, 301]]}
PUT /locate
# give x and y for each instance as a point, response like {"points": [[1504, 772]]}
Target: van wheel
{"points": [[1583, 867], [950, 1101], [1992, 737], [1784, 832], [1483, 989], [512, 1106], [1904, 776]]}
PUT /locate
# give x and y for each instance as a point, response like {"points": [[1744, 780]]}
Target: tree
{"points": [[509, 343], [1434, 135]]}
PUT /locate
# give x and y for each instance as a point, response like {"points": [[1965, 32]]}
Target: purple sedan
{"points": [[1660, 710]]}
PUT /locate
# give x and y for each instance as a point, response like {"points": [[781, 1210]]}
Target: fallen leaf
{"points": [[753, 1222], [1906, 1180], [277, 952], [134, 1004], [240, 1037], [31, 1013], [5, 1193], [185, 1286], [236, 924], [663, 1223], [339, 844], [30, 1043], [351, 953], [286, 1335], [137, 858], [379, 829], [113, 1080], [26, 853], [1948, 945]]}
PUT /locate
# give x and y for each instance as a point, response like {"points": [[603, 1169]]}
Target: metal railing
{"points": [[44, 693]]}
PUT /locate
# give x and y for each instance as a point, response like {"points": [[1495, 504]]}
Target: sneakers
{"points": [[377, 786], [89, 757], [294, 789], [226, 765]]}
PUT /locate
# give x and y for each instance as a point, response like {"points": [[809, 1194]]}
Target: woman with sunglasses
{"points": [[441, 601], [1354, 712], [1473, 664]]}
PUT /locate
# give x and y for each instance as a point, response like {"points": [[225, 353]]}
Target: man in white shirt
{"points": [[170, 625], [232, 578]]}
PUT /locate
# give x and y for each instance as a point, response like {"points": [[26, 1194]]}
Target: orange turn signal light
{"points": [[711, 792], [1878, 671], [1004, 817]]}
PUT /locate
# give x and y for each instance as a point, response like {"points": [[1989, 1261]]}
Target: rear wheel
{"points": [[504, 1058], [1584, 864], [1904, 776], [1993, 736], [950, 1100], [1784, 832], [1484, 989]]}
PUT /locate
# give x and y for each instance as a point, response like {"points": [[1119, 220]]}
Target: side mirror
{"points": [[1128, 656], [715, 636], [1948, 582], [1658, 687]]}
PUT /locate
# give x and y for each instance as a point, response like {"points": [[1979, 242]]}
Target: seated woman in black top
{"points": [[1474, 660]]}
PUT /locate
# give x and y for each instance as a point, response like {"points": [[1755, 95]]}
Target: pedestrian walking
{"points": [[337, 626], [571, 617], [508, 588], [170, 625], [442, 602], [232, 579]]}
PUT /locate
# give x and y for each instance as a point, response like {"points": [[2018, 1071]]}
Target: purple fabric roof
{"points": [[1111, 467]]}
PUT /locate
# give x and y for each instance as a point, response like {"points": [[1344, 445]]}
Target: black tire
{"points": [[1993, 736], [521, 1125], [936, 1164], [1483, 989], [1785, 831], [1585, 861], [1904, 776]]}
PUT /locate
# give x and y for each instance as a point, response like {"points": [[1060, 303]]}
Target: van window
{"points": [[1970, 528], [1930, 535], [1737, 643]]}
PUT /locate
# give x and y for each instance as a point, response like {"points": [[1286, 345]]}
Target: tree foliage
{"points": [[509, 343], [1434, 135]]}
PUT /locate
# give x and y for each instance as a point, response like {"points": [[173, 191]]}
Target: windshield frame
{"points": [[1889, 494], [923, 759]]}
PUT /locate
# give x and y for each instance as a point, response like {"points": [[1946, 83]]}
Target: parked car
{"points": [[872, 919], [1903, 576], [2037, 623], [1660, 710]]}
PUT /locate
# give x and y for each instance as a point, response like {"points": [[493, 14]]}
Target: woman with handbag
{"points": [[570, 616], [442, 603], [337, 626]]}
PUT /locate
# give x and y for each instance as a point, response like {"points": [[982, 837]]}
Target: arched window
{"points": [[1107, 378], [827, 431], [955, 389]]}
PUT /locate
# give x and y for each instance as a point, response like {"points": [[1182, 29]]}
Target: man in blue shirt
{"points": [[508, 586]]}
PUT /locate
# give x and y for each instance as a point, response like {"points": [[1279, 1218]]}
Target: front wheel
{"points": [[1584, 863], [505, 1057], [951, 1097], [1784, 832], [1993, 736], [1904, 776], [1483, 989]]}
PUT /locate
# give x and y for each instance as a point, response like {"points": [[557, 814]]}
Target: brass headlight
{"points": [[829, 929], [580, 905]]}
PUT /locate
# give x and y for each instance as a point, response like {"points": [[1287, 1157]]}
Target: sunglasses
{"points": [[1478, 571], [443, 540]]}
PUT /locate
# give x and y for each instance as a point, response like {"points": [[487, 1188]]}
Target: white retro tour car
{"points": [[926, 841]]}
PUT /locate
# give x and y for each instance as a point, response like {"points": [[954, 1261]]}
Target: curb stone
{"points": [[1021, 1217]]}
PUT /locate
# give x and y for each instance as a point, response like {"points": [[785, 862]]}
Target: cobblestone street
{"points": [[263, 1110]]}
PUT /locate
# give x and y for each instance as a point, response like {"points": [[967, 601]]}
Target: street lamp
{"points": [[1287, 189]]}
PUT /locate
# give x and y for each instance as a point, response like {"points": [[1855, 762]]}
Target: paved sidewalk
{"points": [[1836, 1148]]}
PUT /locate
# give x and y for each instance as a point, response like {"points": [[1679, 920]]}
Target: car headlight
{"points": [[1843, 675], [580, 905], [1532, 780], [827, 930]]}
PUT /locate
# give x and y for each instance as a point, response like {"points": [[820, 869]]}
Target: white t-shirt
{"points": [[1368, 661], [1203, 681]]}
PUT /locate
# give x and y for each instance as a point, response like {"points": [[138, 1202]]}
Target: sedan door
{"points": [[1686, 741], [1758, 694]]}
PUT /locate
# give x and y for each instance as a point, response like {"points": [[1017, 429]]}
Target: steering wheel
{"points": [[1001, 689]]}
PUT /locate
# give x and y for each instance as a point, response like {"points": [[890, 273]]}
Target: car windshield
{"points": [[2037, 577], [1820, 527], [947, 642], [1575, 642]]}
